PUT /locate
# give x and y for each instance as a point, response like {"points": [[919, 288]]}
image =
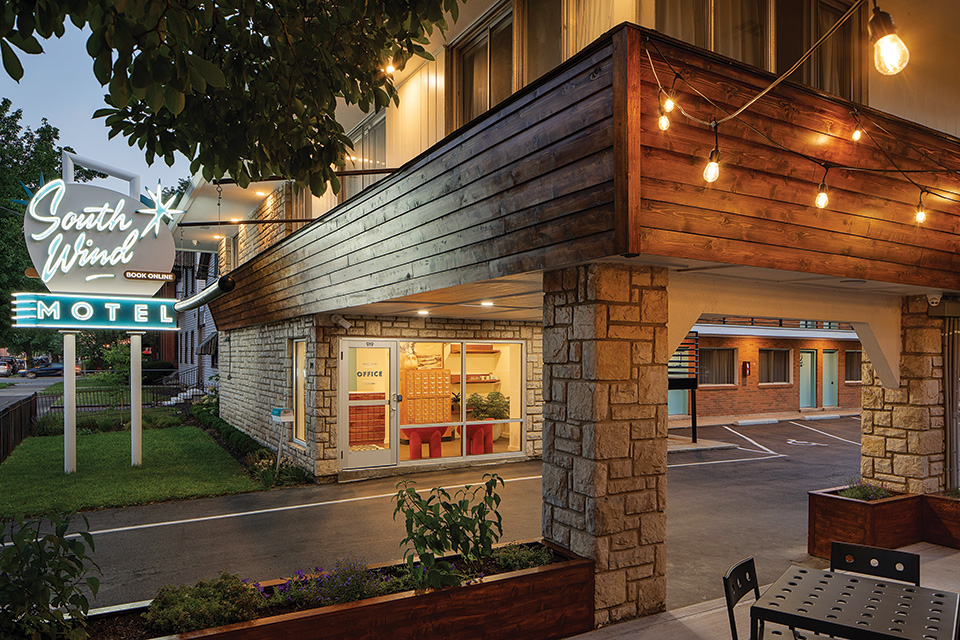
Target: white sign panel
{"points": [[88, 239]]}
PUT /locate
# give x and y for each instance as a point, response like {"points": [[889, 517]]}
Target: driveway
{"points": [[723, 506]]}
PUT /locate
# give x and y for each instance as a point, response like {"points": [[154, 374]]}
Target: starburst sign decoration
{"points": [[160, 210]]}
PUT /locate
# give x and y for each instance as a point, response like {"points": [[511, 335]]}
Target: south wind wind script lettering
{"points": [[98, 220]]}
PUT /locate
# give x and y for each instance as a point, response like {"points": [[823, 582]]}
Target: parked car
{"points": [[51, 369], [11, 366]]}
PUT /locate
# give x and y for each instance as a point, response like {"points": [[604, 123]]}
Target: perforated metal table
{"points": [[856, 607]]}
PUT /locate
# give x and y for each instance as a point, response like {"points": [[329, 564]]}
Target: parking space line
{"points": [[829, 435], [751, 441], [695, 464]]}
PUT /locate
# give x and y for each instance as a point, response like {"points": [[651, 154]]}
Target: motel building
{"points": [[523, 245]]}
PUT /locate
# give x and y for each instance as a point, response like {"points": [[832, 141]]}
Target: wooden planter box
{"points": [[941, 520], [889, 522], [553, 601]]}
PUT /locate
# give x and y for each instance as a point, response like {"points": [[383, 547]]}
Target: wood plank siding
{"points": [[526, 186], [573, 168], [761, 211]]}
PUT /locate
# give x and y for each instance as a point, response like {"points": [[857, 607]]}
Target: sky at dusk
{"points": [[59, 85]]}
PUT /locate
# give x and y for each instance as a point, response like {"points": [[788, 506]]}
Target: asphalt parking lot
{"points": [[722, 506], [725, 505]]}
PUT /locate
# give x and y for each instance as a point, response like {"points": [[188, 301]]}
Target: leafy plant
{"points": [[43, 579], [493, 406], [208, 603], [860, 489], [514, 557], [467, 524], [497, 406]]}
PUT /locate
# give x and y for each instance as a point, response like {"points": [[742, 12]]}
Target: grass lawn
{"points": [[178, 462], [4, 385]]}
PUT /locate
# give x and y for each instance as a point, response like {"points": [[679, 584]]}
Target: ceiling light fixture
{"points": [[486, 304], [423, 312], [261, 193], [890, 54]]}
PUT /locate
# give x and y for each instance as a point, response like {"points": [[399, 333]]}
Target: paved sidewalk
{"points": [[23, 388], [939, 568]]}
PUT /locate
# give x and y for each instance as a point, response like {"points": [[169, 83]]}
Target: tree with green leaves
{"points": [[239, 87], [28, 159]]}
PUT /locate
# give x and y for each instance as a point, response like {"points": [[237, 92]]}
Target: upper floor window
{"points": [[369, 154], [516, 44], [773, 34], [485, 62]]}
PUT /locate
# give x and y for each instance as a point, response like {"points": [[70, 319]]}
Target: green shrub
{"points": [[467, 524], [48, 425], [348, 581], [209, 603], [262, 464], [43, 579], [860, 489], [953, 493], [514, 557]]}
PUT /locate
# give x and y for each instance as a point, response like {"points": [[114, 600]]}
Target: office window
{"points": [[774, 365], [369, 153], [718, 366], [773, 34], [299, 391], [852, 361]]}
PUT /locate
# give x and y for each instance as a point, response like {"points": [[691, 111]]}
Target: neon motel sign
{"points": [[102, 254]]}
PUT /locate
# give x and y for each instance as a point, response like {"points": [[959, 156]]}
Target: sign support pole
{"points": [[136, 398], [69, 401]]}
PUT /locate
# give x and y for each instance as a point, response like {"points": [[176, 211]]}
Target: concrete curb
{"points": [[746, 423], [829, 416]]}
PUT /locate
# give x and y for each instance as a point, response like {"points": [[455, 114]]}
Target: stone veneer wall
{"points": [[902, 429], [258, 361], [605, 353], [256, 374], [255, 238]]}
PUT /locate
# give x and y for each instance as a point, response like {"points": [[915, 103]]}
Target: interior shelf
{"points": [[475, 348], [471, 377]]}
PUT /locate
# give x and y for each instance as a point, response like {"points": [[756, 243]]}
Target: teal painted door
{"points": [[808, 379], [830, 372], [677, 402]]}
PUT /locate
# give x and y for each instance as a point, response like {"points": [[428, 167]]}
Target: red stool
{"points": [[416, 436], [479, 438]]}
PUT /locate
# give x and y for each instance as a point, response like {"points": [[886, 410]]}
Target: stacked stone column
{"points": [[605, 353], [902, 429]]}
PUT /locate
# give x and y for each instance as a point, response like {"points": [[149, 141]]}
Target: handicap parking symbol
{"points": [[804, 443]]}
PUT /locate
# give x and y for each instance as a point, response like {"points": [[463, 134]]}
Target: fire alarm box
{"points": [[745, 367]]}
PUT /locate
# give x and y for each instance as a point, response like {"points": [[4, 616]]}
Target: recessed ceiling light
{"points": [[486, 304], [216, 236], [423, 312], [234, 219], [261, 193]]}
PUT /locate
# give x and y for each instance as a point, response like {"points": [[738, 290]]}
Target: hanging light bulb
{"points": [[857, 134], [663, 121], [669, 103], [712, 171], [890, 54], [822, 199], [921, 210]]}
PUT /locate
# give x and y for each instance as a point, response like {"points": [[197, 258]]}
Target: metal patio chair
{"points": [[875, 561], [740, 580]]}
